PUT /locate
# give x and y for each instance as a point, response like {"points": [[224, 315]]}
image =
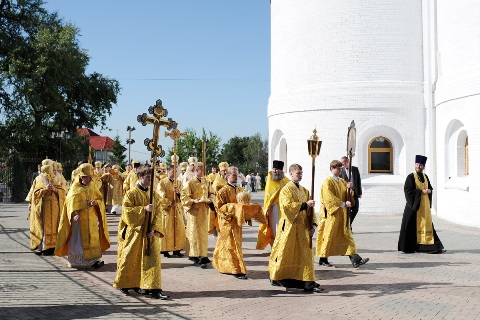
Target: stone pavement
{"points": [[391, 286]]}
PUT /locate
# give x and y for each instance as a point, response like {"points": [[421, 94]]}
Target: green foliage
{"points": [[246, 153], [118, 155], [191, 146], [45, 92]]}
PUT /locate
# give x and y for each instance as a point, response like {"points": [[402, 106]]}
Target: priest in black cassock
{"points": [[417, 233]]}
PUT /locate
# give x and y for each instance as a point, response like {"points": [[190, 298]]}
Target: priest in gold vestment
{"points": [[275, 182], [334, 235], [131, 181], [135, 269], [47, 201], [169, 191], [218, 181], [417, 233], [291, 260], [83, 230], [113, 186], [197, 197], [228, 255]]}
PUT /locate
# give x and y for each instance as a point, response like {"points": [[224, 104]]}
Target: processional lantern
{"points": [[314, 146]]}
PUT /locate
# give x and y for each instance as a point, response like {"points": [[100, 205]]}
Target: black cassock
{"points": [[407, 242]]}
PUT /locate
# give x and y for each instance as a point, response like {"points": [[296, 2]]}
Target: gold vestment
{"points": [[173, 223], [291, 256], [134, 268], [334, 237], [197, 216]]}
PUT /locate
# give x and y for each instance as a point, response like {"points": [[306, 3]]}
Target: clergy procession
{"points": [[172, 209]]}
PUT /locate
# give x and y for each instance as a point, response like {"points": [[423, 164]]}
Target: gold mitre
{"points": [[174, 159], [98, 164], [47, 162], [192, 160], [198, 165], [162, 165], [183, 165], [223, 165], [47, 170], [86, 170], [58, 166]]}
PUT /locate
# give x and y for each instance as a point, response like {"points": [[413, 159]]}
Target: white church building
{"points": [[406, 71]]}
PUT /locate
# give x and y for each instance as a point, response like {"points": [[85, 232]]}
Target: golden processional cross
{"points": [[158, 113], [175, 134]]}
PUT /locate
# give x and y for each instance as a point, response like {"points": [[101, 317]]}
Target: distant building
{"points": [[102, 145]]}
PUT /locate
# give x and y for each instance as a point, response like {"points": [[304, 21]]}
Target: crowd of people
{"points": [[175, 208]]}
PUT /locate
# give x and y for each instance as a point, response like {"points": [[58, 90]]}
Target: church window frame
{"points": [[376, 153]]}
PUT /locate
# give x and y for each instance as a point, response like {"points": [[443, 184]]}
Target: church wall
{"points": [[457, 102], [338, 61]]}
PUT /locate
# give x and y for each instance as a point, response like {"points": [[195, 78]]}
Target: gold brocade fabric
{"points": [[97, 181], [217, 182], [212, 176], [130, 182], [334, 238], [291, 256], [63, 182], [93, 222], [134, 268], [45, 214], [113, 182], [424, 215], [197, 217], [272, 191], [228, 255], [173, 224]]}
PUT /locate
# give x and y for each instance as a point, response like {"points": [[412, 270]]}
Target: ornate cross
{"points": [[158, 113]]}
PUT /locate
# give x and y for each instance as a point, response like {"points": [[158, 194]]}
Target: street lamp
{"points": [[130, 141]]}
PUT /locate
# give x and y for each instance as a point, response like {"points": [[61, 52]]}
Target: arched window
{"points": [[466, 156], [380, 155]]}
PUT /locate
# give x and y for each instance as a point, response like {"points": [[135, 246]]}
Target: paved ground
{"points": [[391, 286]]}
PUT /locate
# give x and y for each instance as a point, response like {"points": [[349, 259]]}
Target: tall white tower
{"points": [[334, 61]]}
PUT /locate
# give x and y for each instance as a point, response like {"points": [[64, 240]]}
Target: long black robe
{"points": [[407, 241]]}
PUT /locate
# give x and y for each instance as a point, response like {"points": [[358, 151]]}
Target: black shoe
{"points": [[240, 276], [205, 260], [440, 251], [194, 259], [203, 265], [177, 254], [124, 291], [158, 294], [275, 283], [166, 254], [48, 252], [360, 262], [114, 213], [318, 289], [98, 264], [325, 264], [144, 291], [137, 290]]}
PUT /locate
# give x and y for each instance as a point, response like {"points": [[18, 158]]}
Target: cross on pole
{"points": [[158, 112], [175, 134]]}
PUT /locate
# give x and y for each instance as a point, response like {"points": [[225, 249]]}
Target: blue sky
{"points": [[208, 61]]}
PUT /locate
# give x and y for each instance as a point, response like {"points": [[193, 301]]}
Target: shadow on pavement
{"points": [[89, 311]]}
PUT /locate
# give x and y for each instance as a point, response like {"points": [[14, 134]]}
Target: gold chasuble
{"points": [[131, 181], [134, 268], [173, 223], [217, 183], [424, 215], [46, 206], [228, 255], [272, 192], [94, 237], [197, 217], [291, 256], [113, 183], [333, 238]]}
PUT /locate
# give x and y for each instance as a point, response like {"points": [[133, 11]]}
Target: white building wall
{"points": [[338, 61], [457, 102]]}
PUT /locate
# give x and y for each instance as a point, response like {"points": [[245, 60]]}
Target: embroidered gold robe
{"points": [[228, 255], [173, 225], [45, 213], [113, 185], [197, 217], [272, 192], [291, 256], [134, 268], [334, 238], [130, 182], [95, 238]]}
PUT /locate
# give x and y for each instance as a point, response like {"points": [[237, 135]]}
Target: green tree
{"points": [[45, 92], [118, 155], [191, 146], [246, 153]]}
